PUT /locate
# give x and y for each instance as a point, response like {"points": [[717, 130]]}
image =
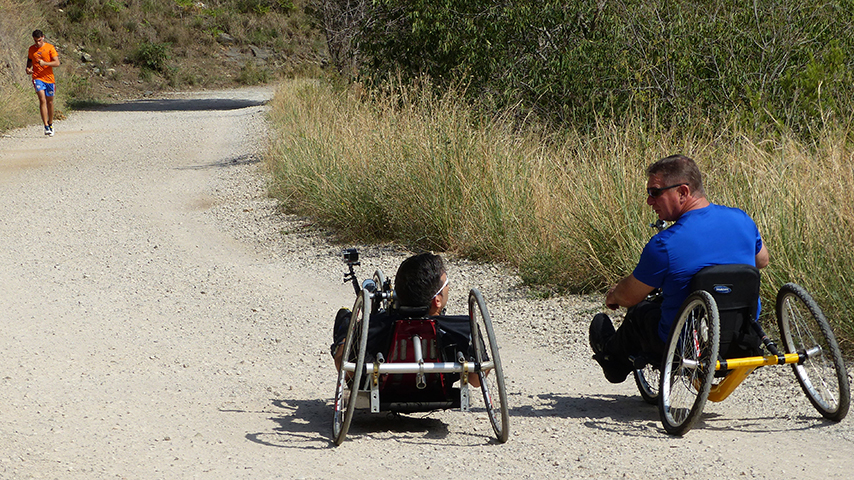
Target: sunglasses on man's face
{"points": [[656, 192]]}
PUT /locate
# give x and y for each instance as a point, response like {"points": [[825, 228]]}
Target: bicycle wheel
{"points": [[648, 380], [347, 388], [689, 363], [379, 280], [804, 329], [485, 350]]}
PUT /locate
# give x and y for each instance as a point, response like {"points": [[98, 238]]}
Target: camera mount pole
{"points": [[351, 277]]}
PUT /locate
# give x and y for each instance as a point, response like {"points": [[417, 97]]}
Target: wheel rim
{"points": [[818, 373], [648, 380], [688, 370], [492, 381], [354, 350]]}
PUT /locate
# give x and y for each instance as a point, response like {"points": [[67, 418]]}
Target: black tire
{"points": [[379, 278], [485, 350], [347, 387], [382, 303], [822, 376], [648, 380], [689, 363]]}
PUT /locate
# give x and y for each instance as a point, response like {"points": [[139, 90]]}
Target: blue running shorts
{"points": [[47, 88]]}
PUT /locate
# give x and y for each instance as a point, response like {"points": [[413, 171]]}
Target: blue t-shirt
{"points": [[714, 235]]}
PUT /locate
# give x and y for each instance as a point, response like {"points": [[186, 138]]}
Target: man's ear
{"points": [[436, 304]]}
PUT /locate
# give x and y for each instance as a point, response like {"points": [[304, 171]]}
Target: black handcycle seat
{"points": [[735, 288]]}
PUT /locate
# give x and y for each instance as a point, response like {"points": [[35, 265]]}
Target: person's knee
{"points": [[339, 329]]}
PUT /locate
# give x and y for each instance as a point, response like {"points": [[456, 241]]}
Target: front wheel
{"points": [[689, 363], [485, 350], [648, 381], [805, 330], [347, 389], [380, 281]]}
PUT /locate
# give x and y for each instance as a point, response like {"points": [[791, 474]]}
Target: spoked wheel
{"points": [[379, 280], [491, 377], [804, 329], [648, 380], [347, 388], [689, 363]]}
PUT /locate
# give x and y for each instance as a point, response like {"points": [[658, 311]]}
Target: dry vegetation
{"points": [[120, 49], [17, 102], [567, 210]]}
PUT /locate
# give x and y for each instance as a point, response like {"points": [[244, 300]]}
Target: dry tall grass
{"points": [[18, 104], [567, 211]]}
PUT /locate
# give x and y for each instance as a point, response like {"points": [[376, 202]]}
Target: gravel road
{"points": [[161, 320]]}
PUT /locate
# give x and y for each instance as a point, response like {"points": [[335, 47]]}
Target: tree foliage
{"points": [[775, 62]]}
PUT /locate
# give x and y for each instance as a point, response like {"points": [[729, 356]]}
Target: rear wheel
{"points": [[689, 363], [347, 388], [491, 378], [804, 329]]}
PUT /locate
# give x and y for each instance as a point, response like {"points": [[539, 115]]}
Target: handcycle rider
{"points": [[703, 234], [421, 289]]}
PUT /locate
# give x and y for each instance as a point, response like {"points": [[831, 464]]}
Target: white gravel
{"points": [[161, 319]]}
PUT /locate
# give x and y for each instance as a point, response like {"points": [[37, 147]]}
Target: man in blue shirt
{"points": [[703, 234]]}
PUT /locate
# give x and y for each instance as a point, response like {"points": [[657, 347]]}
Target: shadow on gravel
{"points": [[245, 159], [613, 413], [405, 429], [176, 105], [307, 425], [630, 415], [304, 424], [776, 424], [617, 407]]}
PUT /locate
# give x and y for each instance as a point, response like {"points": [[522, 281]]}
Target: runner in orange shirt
{"points": [[41, 58]]}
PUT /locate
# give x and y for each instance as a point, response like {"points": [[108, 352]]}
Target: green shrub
{"points": [[779, 65], [151, 56], [263, 7], [78, 90], [251, 74]]}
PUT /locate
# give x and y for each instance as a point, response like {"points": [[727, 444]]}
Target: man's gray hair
{"points": [[679, 169]]}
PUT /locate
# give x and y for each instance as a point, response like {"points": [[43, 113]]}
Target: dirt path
{"points": [[157, 324]]}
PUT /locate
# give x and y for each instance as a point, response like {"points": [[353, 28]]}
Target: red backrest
{"points": [[403, 386]]}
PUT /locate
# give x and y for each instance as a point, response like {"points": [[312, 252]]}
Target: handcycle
{"points": [[716, 342], [417, 372]]}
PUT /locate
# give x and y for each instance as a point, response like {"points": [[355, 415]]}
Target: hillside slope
{"points": [[113, 50]]}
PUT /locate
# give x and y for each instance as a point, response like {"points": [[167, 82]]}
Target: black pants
{"points": [[637, 335]]}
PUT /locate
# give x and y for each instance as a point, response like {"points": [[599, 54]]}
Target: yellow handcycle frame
{"points": [[740, 368]]}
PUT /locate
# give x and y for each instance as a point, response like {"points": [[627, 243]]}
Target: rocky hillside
{"points": [[114, 49]]}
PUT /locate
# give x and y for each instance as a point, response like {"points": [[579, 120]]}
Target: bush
{"points": [[766, 64], [263, 7], [251, 74], [151, 56]]}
